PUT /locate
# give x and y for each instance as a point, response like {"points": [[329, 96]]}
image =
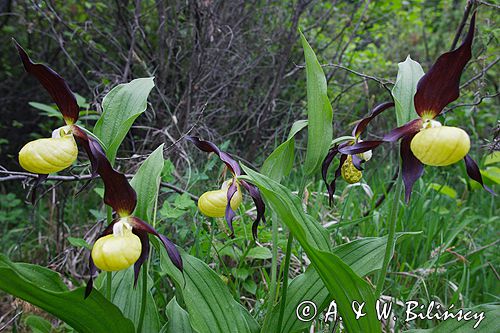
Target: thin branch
{"points": [[379, 81], [487, 4], [480, 75], [17, 175], [481, 98], [461, 26]]}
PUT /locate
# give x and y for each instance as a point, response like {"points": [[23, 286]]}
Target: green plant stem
{"points": [[144, 292], [390, 236], [285, 280], [287, 263], [109, 276], [274, 263]]}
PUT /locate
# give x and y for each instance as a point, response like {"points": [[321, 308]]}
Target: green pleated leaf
{"points": [[43, 288], [490, 323], [129, 299], [409, 74], [344, 285], [319, 112], [210, 305], [38, 324], [121, 106], [178, 319], [280, 162], [146, 183], [364, 256]]}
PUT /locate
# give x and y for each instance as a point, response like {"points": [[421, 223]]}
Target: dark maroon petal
{"points": [[172, 251], [338, 172], [440, 85], [361, 125], [407, 129], [324, 170], [259, 205], [356, 161], [230, 214], [90, 282], [210, 147], [412, 168], [143, 236], [118, 193], [91, 146], [55, 85], [360, 147], [38, 181], [333, 184], [474, 173]]}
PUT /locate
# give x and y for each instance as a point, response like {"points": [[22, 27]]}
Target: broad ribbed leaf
{"points": [[43, 288], [319, 112], [489, 324], [146, 183], [280, 162], [121, 106], [210, 305], [178, 319], [38, 324], [363, 255], [129, 299], [344, 285], [409, 74]]}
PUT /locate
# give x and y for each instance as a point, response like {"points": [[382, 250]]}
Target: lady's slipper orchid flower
{"points": [[424, 140], [44, 156], [213, 203], [223, 202], [350, 164], [125, 241]]}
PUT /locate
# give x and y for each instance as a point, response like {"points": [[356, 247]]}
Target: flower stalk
{"points": [[391, 236]]}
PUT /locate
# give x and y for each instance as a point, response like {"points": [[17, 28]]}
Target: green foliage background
{"points": [[233, 72]]}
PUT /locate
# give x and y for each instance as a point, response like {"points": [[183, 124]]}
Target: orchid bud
{"points": [[440, 146], [117, 251], [44, 156], [349, 171], [213, 203]]}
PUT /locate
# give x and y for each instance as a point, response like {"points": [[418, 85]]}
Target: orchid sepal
{"points": [[55, 85]]}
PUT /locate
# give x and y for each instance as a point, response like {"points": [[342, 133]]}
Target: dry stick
{"points": [[381, 82], [480, 75], [16, 175]]}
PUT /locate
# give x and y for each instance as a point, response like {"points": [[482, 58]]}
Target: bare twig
{"points": [[17, 175], [468, 7], [480, 75], [383, 83], [479, 101]]}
